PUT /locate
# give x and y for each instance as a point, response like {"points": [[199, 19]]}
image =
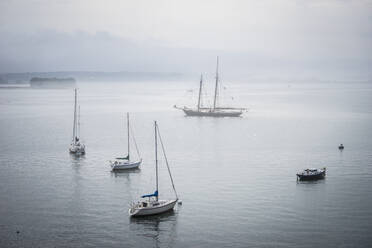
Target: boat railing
{"points": [[230, 108], [210, 108]]}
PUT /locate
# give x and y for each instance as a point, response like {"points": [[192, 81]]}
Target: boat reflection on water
{"points": [[161, 230], [77, 160], [311, 182], [125, 173]]}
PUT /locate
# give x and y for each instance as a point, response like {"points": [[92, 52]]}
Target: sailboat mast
{"points": [[128, 134], [200, 90], [216, 89], [156, 160], [74, 126]]}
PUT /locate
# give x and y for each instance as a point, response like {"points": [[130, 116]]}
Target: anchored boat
{"points": [[214, 111], [311, 174], [151, 204], [76, 147], [124, 163]]}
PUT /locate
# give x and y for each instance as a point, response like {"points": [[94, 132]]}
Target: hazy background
{"points": [[235, 176], [328, 39]]}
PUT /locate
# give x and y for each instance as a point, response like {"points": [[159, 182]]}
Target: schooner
{"points": [[214, 111]]}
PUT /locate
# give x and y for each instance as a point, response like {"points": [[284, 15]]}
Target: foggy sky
{"points": [[268, 37]]}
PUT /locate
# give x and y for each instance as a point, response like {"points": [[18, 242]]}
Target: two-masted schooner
{"points": [[214, 111], [76, 147]]}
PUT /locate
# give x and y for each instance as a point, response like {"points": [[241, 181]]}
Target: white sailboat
{"points": [[124, 163], [152, 204], [214, 111], [76, 147]]}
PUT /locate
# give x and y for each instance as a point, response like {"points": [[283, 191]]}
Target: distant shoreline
{"points": [[83, 76], [52, 82], [14, 86], [124, 76]]}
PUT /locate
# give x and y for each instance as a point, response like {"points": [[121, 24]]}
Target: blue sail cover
{"points": [[155, 194]]}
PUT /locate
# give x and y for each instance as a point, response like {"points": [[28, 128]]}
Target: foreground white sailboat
{"points": [[125, 163], [152, 205], [214, 111], [76, 147]]}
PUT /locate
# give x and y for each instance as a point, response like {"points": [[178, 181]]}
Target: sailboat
{"points": [[214, 111], [76, 147], [152, 204], [124, 163]]}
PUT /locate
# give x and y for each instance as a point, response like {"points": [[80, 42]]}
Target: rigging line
{"points": [[78, 130], [166, 162], [74, 126], [185, 95], [135, 142]]}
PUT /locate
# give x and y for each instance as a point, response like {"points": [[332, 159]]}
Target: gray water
{"points": [[235, 176]]}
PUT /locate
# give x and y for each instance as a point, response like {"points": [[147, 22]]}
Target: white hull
{"points": [[213, 112], [125, 165], [77, 150], [164, 206]]}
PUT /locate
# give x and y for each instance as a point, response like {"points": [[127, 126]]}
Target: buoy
{"points": [[18, 231]]}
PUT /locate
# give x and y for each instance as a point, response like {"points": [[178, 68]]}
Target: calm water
{"points": [[235, 176]]}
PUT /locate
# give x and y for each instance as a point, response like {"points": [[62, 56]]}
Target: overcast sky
{"points": [[300, 37]]}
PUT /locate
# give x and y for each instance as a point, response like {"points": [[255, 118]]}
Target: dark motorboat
{"points": [[311, 174], [341, 147]]}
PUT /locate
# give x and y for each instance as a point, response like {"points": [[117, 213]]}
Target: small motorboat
{"points": [[311, 174], [341, 147]]}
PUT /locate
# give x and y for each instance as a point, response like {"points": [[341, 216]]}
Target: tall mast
{"points": [[74, 127], [156, 160], [216, 89], [128, 133], [200, 90]]}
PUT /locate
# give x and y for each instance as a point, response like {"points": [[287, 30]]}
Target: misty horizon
{"points": [[264, 109], [285, 39]]}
